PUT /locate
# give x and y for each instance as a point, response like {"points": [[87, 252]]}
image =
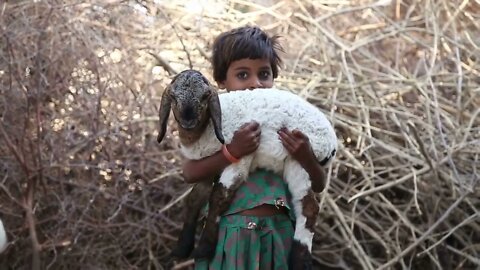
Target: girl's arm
{"points": [[244, 142], [207, 168], [298, 145], [316, 173]]}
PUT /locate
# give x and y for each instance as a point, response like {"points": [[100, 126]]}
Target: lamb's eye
{"points": [[205, 96], [174, 100]]}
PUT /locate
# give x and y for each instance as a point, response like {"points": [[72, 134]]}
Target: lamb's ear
{"points": [[216, 115], [164, 113]]}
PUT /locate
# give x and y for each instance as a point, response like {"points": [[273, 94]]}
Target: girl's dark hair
{"points": [[241, 43]]}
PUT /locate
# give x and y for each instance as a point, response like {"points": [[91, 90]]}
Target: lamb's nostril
{"points": [[188, 114]]}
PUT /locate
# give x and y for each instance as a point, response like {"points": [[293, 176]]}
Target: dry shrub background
{"points": [[84, 185]]}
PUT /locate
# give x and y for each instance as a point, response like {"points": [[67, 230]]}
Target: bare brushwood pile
{"points": [[84, 185]]}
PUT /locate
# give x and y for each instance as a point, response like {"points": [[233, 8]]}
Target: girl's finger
{"points": [[285, 130], [253, 125], [297, 133], [286, 137], [244, 125], [285, 144]]}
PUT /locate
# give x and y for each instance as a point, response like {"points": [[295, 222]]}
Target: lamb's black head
{"points": [[193, 101], [190, 93]]}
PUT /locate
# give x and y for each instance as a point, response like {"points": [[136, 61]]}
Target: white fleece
{"points": [[272, 109]]}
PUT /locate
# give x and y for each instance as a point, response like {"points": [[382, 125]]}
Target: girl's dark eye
{"points": [[264, 75], [242, 75]]}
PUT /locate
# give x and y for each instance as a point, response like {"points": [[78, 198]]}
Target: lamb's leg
{"points": [[194, 202], [222, 195], [306, 210], [300, 256]]}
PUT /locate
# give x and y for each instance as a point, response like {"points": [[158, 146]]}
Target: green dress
{"points": [[249, 242]]}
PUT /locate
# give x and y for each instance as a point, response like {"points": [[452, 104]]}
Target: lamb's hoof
{"points": [[204, 250], [300, 257], [185, 242]]}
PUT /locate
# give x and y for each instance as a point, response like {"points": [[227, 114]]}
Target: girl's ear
{"points": [[221, 85]]}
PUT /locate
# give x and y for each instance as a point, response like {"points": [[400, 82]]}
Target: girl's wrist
{"points": [[310, 163], [226, 150]]}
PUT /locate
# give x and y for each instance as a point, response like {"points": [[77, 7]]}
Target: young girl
{"points": [[256, 232]]}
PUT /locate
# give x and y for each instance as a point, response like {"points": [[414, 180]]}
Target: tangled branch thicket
{"points": [[84, 185]]}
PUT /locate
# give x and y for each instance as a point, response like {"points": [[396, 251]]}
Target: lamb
{"points": [[194, 102], [3, 237]]}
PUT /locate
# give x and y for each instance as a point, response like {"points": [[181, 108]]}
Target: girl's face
{"points": [[248, 74]]}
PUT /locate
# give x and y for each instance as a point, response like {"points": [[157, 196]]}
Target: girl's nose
{"points": [[255, 83]]}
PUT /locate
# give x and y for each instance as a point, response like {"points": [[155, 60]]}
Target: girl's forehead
{"points": [[254, 64]]}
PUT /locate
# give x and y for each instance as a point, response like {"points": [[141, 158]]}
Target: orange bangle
{"points": [[229, 156]]}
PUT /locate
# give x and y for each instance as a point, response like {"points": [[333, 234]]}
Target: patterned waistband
{"points": [[255, 223]]}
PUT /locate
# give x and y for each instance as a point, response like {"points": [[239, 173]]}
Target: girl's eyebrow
{"points": [[248, 68], [242, 68]]}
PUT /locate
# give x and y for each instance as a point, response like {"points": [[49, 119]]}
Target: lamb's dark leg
{"points": [[195, 200], [300, 256], [219, 202]]}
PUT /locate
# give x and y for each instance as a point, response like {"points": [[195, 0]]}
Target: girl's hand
{"points": [[298, 145], [245, 140]]}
